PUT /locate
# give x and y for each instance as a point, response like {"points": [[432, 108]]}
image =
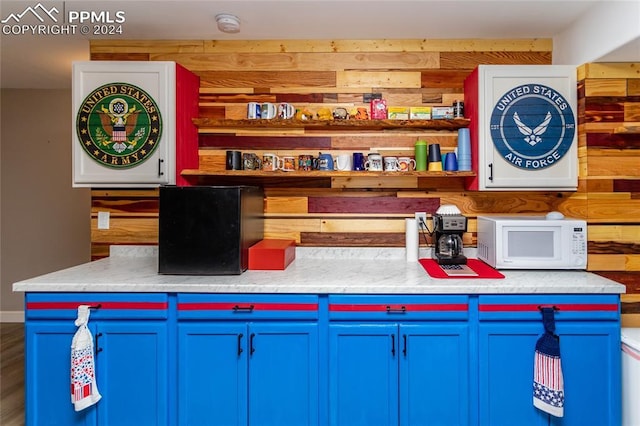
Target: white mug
{"points": [[253, 110], [406, 164], [271, 162], [268, 110], [391, 164], [373, 163], [286, 111], [288, 163], [344, 162]]}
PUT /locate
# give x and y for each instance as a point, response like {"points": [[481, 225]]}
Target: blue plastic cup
{"points": [[450, 162]]}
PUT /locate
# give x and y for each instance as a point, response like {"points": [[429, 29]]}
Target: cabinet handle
{"points": [[491, 171], [240, 343], [238, 308], [393, 344], [404, 345], [97, 349], [252, 348], [400, 310], [160, 172], [96, 307]]}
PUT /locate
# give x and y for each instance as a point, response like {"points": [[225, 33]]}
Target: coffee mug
{"points": [[405, 164], [373, 163], [286, 111], [305, 162], [288, 163], [234, 160], [325, 162], [358, 161], [268, 110], [391, 164], [271, 162], [344, 162], [251, 161], [254, 110]]}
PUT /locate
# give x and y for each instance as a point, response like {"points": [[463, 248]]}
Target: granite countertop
{"points": [[314, 271]]}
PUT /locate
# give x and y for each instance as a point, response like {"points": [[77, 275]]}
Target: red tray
{"points": [[479, 267]]}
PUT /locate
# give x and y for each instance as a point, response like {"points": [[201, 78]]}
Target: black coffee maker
{"points": [[448, 229]]}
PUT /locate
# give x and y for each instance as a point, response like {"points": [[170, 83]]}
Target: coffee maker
{"points": [[448, 226]]}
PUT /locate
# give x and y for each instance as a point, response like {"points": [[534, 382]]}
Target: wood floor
{"points": [[11, 374]]}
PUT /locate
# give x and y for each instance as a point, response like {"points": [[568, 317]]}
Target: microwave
{"points": [[532, 242]]}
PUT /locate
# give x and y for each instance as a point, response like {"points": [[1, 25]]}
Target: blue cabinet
{"points": [[395, 360], [589, 332], [131, 359], [239, 363], [339, 360]]}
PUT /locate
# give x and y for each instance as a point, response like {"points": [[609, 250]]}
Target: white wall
{"points": [[44, 224], [606, 27]]}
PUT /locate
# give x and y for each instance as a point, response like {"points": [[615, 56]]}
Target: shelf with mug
{"points": [[209, 125], [314, 178]]}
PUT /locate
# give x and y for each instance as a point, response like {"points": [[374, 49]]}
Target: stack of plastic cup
{"points": [[464, 150]]}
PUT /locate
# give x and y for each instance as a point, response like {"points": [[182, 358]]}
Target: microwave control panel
{"points": [[579, 241]]}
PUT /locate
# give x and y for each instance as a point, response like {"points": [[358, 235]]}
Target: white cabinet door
{"points": [[527, 132], [124, 127]]}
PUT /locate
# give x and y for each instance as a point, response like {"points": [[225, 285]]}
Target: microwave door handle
{"points": [[491, 172]]}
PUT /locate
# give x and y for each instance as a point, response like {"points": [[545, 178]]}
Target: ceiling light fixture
{"points": [[228, 23]]}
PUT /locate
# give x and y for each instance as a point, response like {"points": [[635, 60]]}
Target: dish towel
{"points": [[548, 384], [84, 389]]}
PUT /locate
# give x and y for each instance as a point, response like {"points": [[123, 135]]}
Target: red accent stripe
{"points": [[411, 307], [608, 307], [228, 306], [103, 305]]}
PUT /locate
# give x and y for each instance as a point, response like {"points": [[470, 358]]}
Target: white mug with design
{"points": [[406, 164], [271, 162], [374, 163], [391, 164], [268, 110]]}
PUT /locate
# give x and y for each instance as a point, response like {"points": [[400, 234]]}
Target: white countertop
{"points": [[314, 271]]}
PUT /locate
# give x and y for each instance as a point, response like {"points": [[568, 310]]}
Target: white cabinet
{"points": [[523, 127], [126, 122]]}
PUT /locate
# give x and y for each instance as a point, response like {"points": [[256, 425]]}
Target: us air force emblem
{"points": [[532, 126], [119, 125]]}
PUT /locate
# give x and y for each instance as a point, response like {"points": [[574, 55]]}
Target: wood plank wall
{"points": [[609, 132], [371, 212]]}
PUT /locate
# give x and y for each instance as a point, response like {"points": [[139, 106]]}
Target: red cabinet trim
{"points": [[103, 305], [229, 306], [409, 307], [607, 307]]}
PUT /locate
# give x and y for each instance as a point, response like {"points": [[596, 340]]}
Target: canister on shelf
{"points": [[421, 155]]}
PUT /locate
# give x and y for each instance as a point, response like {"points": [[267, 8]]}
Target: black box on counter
{"points": [[207, 230]]}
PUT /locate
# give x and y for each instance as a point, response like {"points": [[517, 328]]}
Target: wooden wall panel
{"points": [[329, 73]]}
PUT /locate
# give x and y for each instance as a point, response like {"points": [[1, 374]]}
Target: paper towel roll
{"points": [[411, 239]]}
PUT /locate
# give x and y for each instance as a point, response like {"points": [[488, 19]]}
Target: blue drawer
{"points": [[568, 307], [246, 306], [402, 307], [105, 305]]}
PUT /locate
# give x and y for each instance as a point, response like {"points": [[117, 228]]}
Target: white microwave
{"points": [[532, 242]]}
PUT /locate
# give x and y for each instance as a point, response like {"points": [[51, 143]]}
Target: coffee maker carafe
{"points": [[449, 225]]}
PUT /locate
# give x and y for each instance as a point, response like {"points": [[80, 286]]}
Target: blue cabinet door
{"points": [[283, 374], [132, 372], [363, 374], [591, 368], [434, 374], [47, 369], [506, 356], [212, 374]]}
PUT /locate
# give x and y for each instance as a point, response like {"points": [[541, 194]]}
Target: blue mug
{"points": [[325, 162], [358, 161]]}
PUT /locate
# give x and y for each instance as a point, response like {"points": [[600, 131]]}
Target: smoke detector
{"points": [[228, 23]]}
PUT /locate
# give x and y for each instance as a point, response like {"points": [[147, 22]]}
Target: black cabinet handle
{"points": [[252, 348], [96, 347], [393, 344], [240, 336], [400, 310], [491, 171], [238, 308], [160, 172], [404, 344], [96, 307]]}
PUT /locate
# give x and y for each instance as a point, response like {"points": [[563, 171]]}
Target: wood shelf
{"points": [[208, 125], [321, 174]]}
